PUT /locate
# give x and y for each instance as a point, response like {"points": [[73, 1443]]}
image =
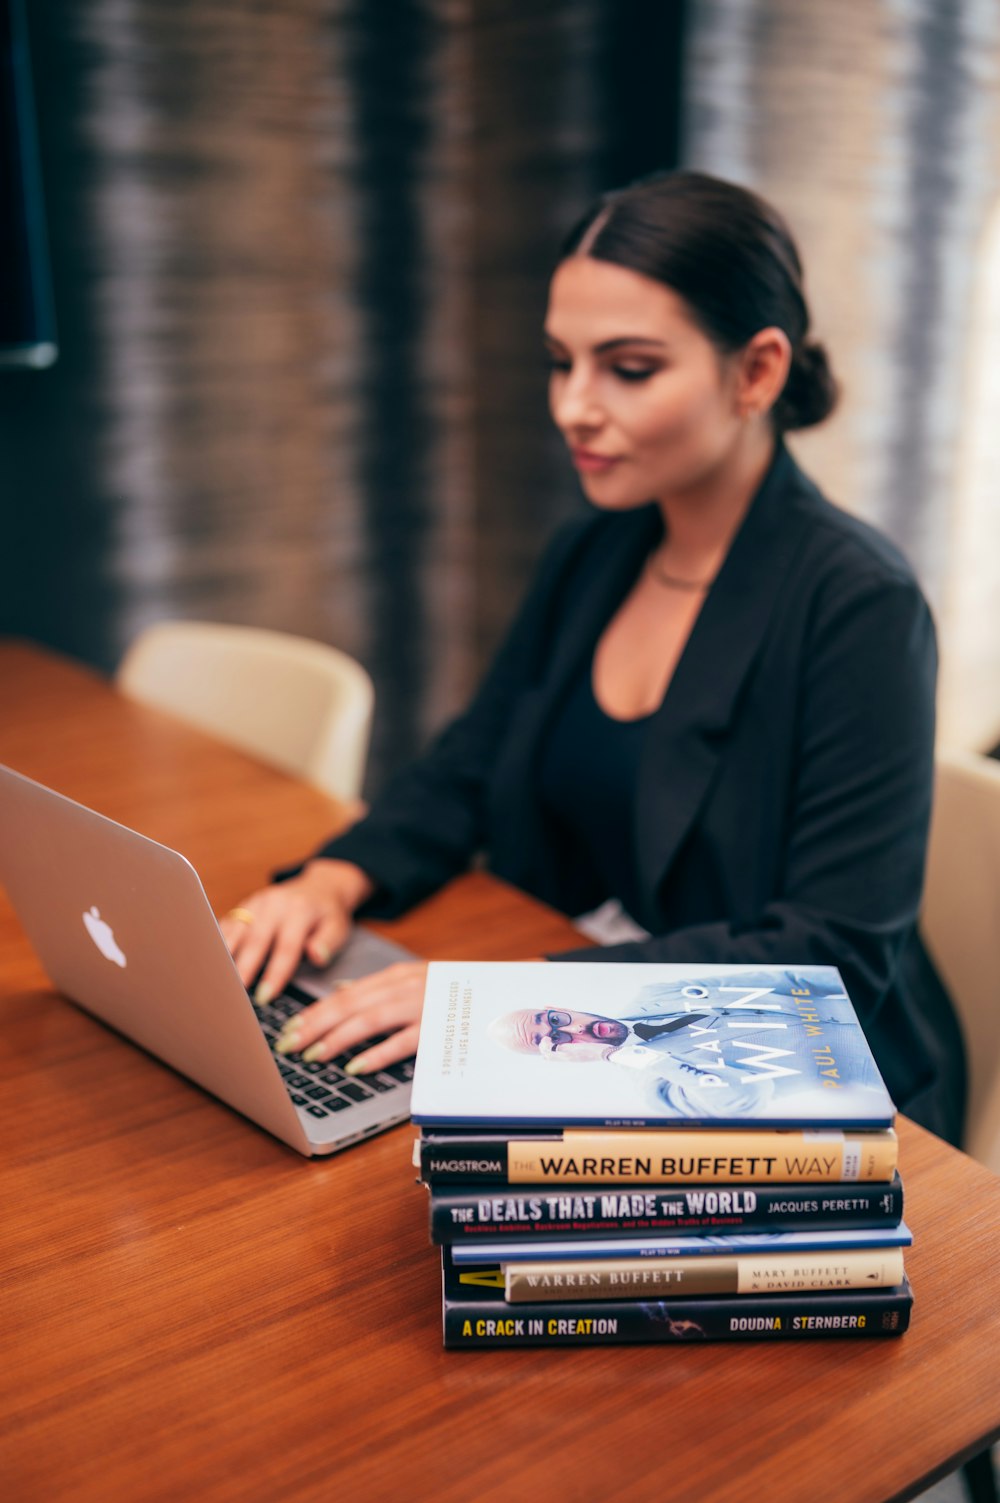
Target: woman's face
{"points": [[646, 403]]}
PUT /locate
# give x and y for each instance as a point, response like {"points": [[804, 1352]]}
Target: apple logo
{"points": [[103, 937]]}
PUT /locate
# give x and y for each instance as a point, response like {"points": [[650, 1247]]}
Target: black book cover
{"points": [[471, 1212]]}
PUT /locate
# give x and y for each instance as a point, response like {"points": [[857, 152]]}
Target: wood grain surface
{"points": [[192, 1309]]}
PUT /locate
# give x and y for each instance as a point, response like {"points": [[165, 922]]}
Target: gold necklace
{"points": [[671, 580]]}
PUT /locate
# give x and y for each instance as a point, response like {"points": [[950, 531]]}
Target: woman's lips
{"points": [[593, 464]]}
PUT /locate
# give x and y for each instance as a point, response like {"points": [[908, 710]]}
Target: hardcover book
{"points": [[532, 1044], [725, 1244], [471, 1213], [659, 1156], [475, 1314], [745, 1273]]}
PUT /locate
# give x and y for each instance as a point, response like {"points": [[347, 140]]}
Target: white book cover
{"points": [[535, 1044]]}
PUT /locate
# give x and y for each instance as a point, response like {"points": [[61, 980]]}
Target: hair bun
{"points": [[811, 391]]}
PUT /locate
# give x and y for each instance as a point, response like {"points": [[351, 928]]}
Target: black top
{"points": [[588, 773], [783, 795]]}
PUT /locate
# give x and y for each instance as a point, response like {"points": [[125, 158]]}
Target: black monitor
{"points": [[27, 321]]}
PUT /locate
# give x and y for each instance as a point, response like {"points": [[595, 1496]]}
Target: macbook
{"points": [[124, 929]]}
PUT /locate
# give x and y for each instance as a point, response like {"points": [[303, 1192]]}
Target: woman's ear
{"points": [[763, 370]]}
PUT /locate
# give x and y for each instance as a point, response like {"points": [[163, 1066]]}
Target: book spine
{"points": [[468, 1214], [662, 1278], [486, 1322], [677, 1156]]}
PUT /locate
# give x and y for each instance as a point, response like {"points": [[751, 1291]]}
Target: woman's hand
{"points": [[388, 1001], [309, 915]]}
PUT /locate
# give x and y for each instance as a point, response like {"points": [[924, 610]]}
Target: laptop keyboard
{"points": [[321, 1087]]}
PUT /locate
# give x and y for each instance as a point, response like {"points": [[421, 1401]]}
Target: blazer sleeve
{"points": [[859, 805], [430, 820]]}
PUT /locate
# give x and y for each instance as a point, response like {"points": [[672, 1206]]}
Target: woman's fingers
{"points": [[357, 1009], [236, 926], [389, 1001], [248, 931], [277, 926], [389, 1052], [285, 947], [274, 929], [328, 936]]}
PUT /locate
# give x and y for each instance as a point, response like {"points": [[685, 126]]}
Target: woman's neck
{"points": [[700, 524]]}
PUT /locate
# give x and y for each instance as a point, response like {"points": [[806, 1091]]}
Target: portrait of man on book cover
{"points": [[710, 1046]]}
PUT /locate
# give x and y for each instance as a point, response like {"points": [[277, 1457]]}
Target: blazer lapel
{"points": [[688, 733]]}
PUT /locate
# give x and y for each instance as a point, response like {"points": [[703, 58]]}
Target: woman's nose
{"points": [[574, 402]]}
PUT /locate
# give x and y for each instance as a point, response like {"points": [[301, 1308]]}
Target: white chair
{"points": [[961, 925], [301, 705]]}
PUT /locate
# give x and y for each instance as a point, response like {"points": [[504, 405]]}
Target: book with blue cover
{"points": [[539, 1045], [722, 1244]]}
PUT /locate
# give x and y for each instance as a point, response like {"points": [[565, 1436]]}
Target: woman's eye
{"points": [[634, 372], [552, 364]]}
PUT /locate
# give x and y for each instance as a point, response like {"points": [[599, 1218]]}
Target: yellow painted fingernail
{"points": [[315, 1051], [263, 995], [323, 954], [356, 1066], [287, 1043]]}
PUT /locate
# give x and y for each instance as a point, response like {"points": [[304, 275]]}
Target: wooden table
{"points": [[191, 1311]]}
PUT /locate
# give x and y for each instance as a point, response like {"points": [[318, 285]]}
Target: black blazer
{"points": [[782, 806]]}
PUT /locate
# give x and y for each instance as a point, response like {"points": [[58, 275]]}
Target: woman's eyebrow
{"points": [[613, 344]]}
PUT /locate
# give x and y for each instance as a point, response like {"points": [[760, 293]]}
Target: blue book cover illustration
{"points": [[534, 1044], [719, 1244]]}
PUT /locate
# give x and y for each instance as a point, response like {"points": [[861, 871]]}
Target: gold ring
{"points": [[243, 914]]}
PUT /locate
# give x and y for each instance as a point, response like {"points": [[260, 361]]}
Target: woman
{"points": [[716, 704]]}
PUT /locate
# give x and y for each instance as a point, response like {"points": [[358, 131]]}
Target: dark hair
{"points": [[730, 256]]}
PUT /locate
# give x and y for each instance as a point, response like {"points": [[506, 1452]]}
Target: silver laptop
{"points": [[123, 928]]}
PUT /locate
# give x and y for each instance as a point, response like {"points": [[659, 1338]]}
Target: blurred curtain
{"points": [[875, 125]]}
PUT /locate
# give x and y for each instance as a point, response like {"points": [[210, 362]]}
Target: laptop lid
{"points": [[123, 927]]}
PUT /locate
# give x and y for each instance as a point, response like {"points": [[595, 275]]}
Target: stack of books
{"points": [[640, 1153]]}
